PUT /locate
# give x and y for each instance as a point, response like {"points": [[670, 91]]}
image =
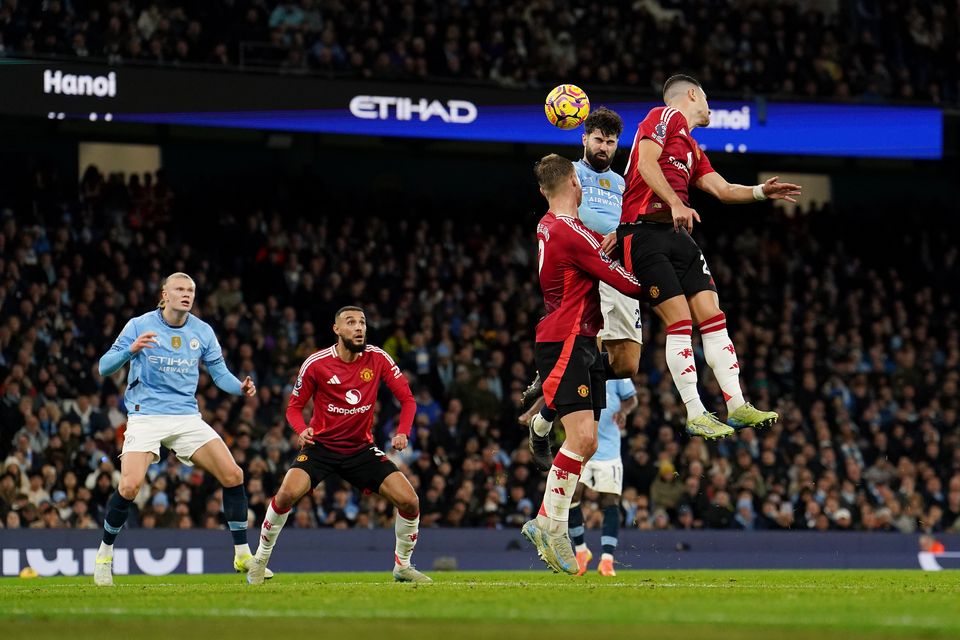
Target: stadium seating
{"points": [[867, 51], [861, 360]]}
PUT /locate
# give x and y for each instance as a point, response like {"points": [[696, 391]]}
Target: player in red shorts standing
{"points": [[343, 381], [571, 266], [656, 221]]}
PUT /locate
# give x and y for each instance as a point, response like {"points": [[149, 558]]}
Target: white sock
{"points": [[105, 550], [721, 355], [606, 556], [680, 361], [408, 530], [240, 550], [581, 547], [561, 483], [541, 426], [273, 522]]}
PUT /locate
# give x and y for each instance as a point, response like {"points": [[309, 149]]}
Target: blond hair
{"points": [[551, 170], [163, 283]]}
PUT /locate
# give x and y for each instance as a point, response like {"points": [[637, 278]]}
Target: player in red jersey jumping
{"points": [[343, 381], [656, 221], [571, 265]]}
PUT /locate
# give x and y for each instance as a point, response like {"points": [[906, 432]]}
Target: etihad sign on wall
{"points": [[399, 108]]}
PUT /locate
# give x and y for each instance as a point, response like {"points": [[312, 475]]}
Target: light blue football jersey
{"points": [[602, 197], [609, 433], [163, 380]]}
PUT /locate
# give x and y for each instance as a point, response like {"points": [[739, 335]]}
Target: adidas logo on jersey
{"points": [[333, 380]]}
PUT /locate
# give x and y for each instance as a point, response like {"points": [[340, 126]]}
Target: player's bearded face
{"points": [[353, 334], [599, 150]]}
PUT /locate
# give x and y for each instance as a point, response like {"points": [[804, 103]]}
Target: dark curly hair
{"points": [[607, 121]]}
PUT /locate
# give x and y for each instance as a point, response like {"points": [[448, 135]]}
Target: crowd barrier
{"points": [[165, 551]]}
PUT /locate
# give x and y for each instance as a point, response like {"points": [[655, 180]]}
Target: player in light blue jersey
{"points": [[165, 348], [603, 473], [622, 334]]}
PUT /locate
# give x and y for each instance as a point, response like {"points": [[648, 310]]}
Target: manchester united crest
{"points": [[176, 342], [302, 457], [366, 374], [654, 292], [583, 391]]}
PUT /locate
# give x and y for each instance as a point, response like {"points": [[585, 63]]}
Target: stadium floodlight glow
{"points": [[93, 117]]}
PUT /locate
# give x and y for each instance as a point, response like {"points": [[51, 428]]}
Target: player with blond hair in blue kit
{"points": [[164, 348]]}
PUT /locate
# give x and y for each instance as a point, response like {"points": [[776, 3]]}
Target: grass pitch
{"points": [[688, 605]]}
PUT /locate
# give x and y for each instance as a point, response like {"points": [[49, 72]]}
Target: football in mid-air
{"points": [[567, 106]]}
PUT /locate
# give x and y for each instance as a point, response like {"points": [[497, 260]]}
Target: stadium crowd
{"points": [[864, 50], [859, 354]]}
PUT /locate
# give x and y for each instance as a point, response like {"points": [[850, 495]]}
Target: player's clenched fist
{"points": [[399, 442], [144, 341]]}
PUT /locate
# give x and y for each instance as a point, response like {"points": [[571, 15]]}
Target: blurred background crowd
{"points": [[856, 345], [866, 50]]}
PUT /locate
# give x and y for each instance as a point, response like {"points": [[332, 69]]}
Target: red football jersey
{"points": [[682, 162], [344, 394], [571, 265]]}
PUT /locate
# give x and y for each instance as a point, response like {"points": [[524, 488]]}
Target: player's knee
{"points": [[587, 445], [590, 448], [409, 503], [232, 477], [284, 500], [625, 367], [129, 488], [609, 500]]}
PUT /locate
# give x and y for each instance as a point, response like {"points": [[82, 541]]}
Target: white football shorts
{"points": [[604, 476], [621, 316], [182, 434]]}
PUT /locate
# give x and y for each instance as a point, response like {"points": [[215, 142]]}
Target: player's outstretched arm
{"points": [[714, 184], [229, 382]]}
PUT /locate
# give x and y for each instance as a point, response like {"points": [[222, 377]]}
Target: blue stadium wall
{"points": [[161, 552]]}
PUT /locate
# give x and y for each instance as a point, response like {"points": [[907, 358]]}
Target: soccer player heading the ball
{"points": [[164, 348], [654, 237], [343, 381], [571, 265], [599, 211]]}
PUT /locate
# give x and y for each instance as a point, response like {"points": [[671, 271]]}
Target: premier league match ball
{"points": [[567, 106]]}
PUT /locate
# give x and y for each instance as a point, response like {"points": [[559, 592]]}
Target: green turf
{"points": [[681, 605]]}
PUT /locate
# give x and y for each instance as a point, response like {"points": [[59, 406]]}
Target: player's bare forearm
{"points": [[736, 194], [773, 189], [652, 174]]}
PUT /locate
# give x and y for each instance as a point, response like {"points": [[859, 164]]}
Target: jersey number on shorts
{"points": [[377, 452], [638, 318], [705, 269]]}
